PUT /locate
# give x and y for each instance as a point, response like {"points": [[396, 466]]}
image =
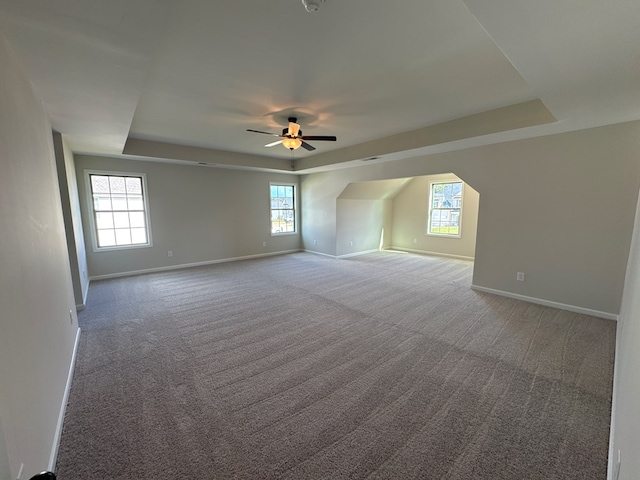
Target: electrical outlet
{"points": [[170, 253], [71, 316], [264, 244], [415, 240], [520, 276], [351, 243], [315, 242]]}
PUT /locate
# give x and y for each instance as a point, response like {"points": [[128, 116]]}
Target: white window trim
{"points": [[430, 209], [296, 193], [92, 221]]}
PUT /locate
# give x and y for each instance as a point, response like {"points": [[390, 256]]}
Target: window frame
{"points": [[294, 208], [92, 210], [430, 209]]}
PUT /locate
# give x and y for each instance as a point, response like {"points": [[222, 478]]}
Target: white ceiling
{"points": [[184, 80]]}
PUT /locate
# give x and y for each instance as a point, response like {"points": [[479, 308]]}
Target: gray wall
{"points": [[410, 210], [626, 419], [36, 294], [364, 216], [5, 468], [359, 225], [360, 213], [201, 214], [559, 208]]}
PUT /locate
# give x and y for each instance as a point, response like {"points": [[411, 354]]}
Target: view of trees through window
{"points": [[119, 210], [445, 208], [283, 218]]}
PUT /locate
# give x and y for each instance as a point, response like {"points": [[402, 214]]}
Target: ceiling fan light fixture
{"points": [[312, 5], [291, 143]]}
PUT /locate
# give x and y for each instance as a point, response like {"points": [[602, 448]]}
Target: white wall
{"points": [[559, 208], [626, 421], [201, 214], [37, 340], [410, 211]]}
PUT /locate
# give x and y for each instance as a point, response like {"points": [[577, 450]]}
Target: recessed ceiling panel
{"points": [[357, 69]]}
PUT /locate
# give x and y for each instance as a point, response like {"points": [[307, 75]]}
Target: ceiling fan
{"points": [[292, 137]]}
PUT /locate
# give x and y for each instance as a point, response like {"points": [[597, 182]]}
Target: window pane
{"points": [[119, 202], [106, 238], [138, 235], [101, 203], [447, 192], [136, 219], [121, 219], [104, 220], [123, 236], [135, 202], [134, 185], [117, 185], [99, 184]]}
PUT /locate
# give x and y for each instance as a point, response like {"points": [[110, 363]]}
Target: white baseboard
{"points": [[85, 294], [613, 458], [347, 255], [65, 398], [190, 265], [355, 254], [319, 253], [427, 252], [548, 303]]}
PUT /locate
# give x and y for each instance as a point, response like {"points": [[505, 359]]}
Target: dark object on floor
{"points": [[44, 476]]}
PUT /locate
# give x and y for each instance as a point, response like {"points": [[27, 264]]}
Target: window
{"points": [[283, 208], [119, 210], [445, 209]]}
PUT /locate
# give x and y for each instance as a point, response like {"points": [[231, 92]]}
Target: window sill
{"points": [[442, 235], [121, 247]]}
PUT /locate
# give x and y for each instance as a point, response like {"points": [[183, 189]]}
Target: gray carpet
{"points": [[383, 366]]}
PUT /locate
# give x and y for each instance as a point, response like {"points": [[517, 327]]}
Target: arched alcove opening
{"points": [[399, 214]]}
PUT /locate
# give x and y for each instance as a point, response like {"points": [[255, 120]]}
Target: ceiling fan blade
{"points": [[294, 128], [273, 144], [266, 133], [319, 137], [308, 147]]}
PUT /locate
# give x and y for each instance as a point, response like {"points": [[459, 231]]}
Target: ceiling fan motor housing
{"points": [[312, 5], [285, 132]]}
